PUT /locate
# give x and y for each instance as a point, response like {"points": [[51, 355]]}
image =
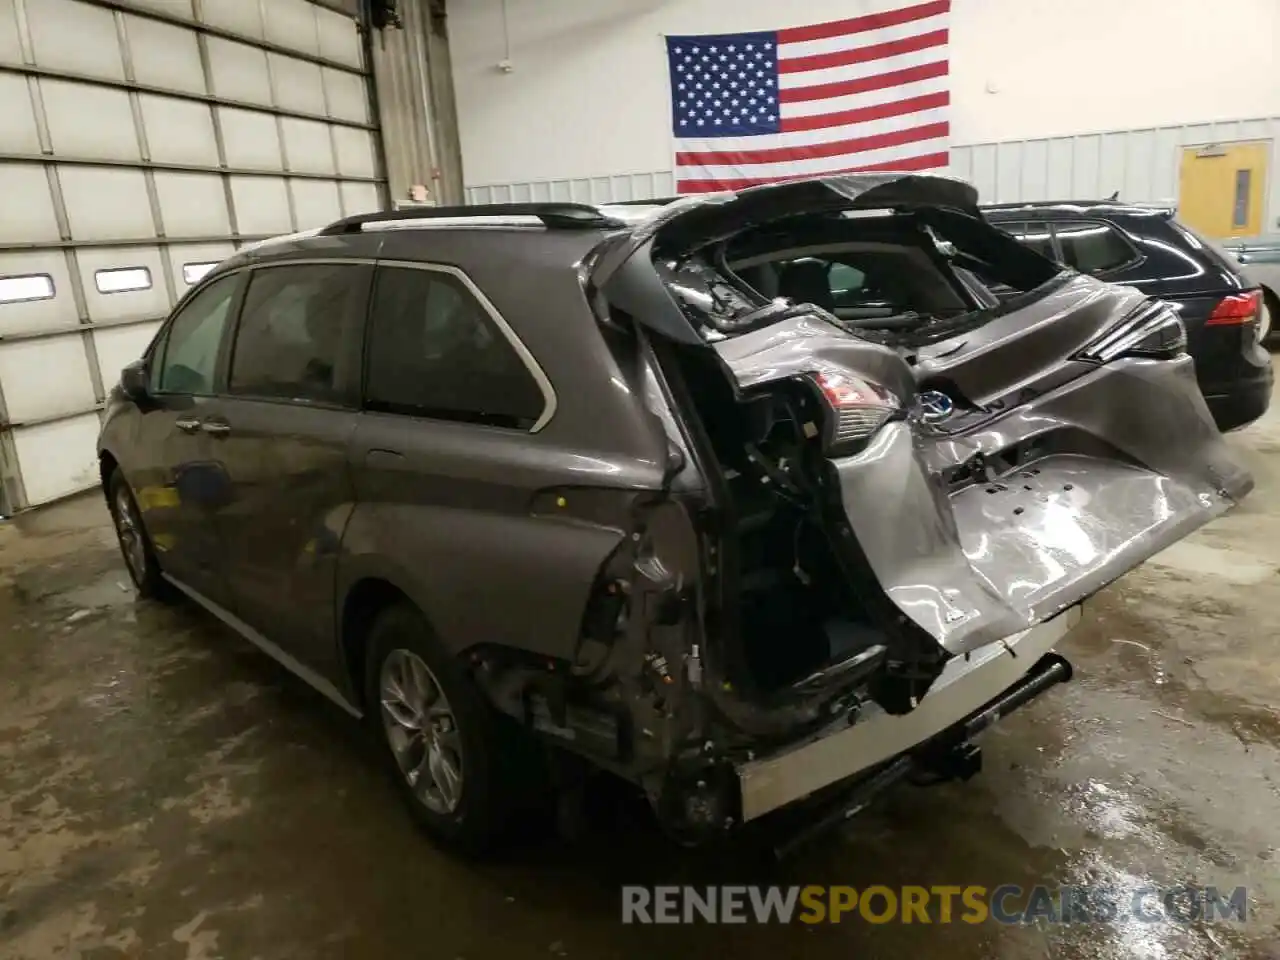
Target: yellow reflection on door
{"points": [[1221, 188]]}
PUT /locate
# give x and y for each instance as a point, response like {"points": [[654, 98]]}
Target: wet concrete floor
{"points": [[166, 791]]}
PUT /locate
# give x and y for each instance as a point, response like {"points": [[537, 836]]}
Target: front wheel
{"points": [[460, 766], [135, 545]]}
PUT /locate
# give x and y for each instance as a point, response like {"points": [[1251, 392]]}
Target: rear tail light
{"points": [[858, 409], [1235, 310], [1154, 329]]}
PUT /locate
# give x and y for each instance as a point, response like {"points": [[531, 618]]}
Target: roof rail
{"points": [[552, 215], [653, 201]]}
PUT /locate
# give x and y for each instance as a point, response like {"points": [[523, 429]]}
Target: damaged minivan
{"points": [[762, 501]]}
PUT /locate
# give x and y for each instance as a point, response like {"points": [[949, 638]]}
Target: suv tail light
{"points": [[1235, 310], [858, 409]]}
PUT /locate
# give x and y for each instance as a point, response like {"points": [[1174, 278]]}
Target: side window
{"points": [[299, 333], [189, 353], [1093, 247], [1033, 235], [435, 352]]}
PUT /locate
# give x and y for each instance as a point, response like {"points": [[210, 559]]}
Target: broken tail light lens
{"points": [[1236, 310], [1152, 330], [856, 409]]}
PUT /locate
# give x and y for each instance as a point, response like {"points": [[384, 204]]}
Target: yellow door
{"points": [[1221, 188]]}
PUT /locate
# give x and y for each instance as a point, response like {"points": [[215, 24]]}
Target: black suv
{"points": [[1147, 248], [755, 500]]}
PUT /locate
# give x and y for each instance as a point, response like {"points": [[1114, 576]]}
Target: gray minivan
{"points": [[751, 499]]}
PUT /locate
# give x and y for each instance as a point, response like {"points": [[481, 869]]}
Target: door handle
{"points": [[216, 428], [187, 424]]}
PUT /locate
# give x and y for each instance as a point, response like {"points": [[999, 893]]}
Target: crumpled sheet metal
{"points": [[974, 566]]}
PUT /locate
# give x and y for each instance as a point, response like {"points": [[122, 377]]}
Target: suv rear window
{"points": [[1091, 246], [434, 351]]}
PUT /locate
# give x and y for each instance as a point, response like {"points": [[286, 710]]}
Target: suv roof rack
{"points": [[552, 215], [652, 202]]}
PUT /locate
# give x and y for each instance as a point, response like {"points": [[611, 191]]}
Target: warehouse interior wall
{"points": [[575, 90]]}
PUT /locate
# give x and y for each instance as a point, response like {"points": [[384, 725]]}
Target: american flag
{"points": [[867, 93]]}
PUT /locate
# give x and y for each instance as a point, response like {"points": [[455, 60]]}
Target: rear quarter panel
{"points": [[498, 534]]}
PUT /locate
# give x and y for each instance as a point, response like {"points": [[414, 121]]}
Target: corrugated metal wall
{"points": [[1141, 164]]}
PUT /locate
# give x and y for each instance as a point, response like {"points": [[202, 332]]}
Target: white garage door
{"points": [[140, 142]]}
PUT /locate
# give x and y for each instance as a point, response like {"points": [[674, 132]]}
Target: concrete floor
{"points": [[167, 791]]}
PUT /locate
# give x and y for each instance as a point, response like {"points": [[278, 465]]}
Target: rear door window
{"points": [[1092, 246], [300, 332], [435, 351]]}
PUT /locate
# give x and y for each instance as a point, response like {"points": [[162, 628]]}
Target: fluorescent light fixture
{"points": [[122, 279], [32, 286], [193, 272]]}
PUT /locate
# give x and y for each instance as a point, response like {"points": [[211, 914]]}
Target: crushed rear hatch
{"points": [[994, 474]]}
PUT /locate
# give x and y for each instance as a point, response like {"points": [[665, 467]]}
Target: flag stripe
{"points": [[809, 48], [833, 148], [876, 111], [869, 98], [928, 161], [862, 84], [872, 51], [870, 21], [858, 71], [807, 142]]}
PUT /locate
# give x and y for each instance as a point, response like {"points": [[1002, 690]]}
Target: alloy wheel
{"points": [[129, 531], [421, 730]]}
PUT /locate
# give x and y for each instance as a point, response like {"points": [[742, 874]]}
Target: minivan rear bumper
{"points": [[966, 685]]}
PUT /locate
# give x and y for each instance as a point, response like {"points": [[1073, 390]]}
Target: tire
{"points": [[492, 758], [135, 545], [1271, 304]]}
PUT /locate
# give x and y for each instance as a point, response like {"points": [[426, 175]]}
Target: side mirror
{"points": [[135, 381]]}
